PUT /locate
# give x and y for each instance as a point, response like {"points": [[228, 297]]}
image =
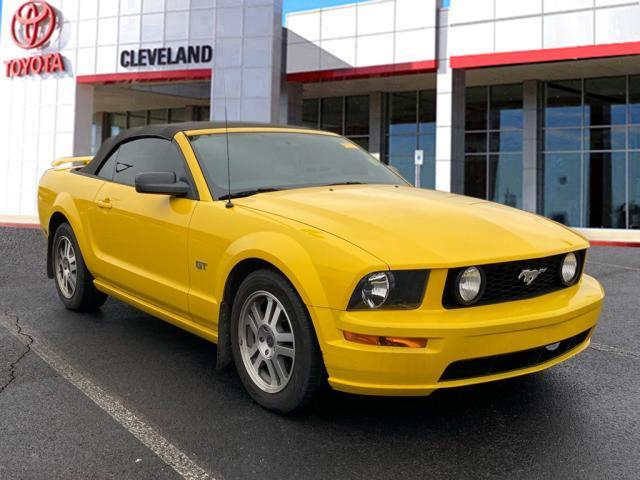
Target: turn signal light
{"points": [[385, 341]]}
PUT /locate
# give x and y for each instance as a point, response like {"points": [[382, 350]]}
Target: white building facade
{"points": [[530, 103]]}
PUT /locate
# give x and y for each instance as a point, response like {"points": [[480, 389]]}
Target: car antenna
{"points": [[229, 203]]}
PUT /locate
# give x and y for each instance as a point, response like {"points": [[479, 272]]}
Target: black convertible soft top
{"points": [[163, 131]]}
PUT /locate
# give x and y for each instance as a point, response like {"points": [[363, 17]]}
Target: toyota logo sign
{"points": [[33, 24]]}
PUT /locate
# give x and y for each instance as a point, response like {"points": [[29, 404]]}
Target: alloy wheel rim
{"points": [[266, 341], [66, 267]]}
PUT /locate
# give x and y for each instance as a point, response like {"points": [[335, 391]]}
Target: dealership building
{"points": [[529, 103]]}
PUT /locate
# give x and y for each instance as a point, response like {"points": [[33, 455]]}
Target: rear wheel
{"points": [[74, 283], [274, 345]]}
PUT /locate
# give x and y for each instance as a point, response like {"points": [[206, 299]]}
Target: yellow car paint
{"points": [[324, 240]]}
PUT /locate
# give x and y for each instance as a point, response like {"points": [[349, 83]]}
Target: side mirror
{"points": [[161, 183]]}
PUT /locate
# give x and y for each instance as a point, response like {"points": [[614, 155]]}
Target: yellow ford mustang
{"points": [[314, 261]]}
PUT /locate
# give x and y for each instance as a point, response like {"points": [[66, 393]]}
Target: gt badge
{"points": [[200, 265], [528, 276]]}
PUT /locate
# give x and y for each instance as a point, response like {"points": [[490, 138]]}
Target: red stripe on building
{"points": [[19, 225], [155, 76], [427, 66], [545, 55], [605, 243]]}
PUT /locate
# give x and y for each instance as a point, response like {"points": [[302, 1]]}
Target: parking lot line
{"points": [[163, 448]]}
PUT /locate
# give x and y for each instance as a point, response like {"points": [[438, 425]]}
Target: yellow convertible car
{"points": [[307, 260]]}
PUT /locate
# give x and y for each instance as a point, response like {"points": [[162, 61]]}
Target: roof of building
{"points": [[167, 132]]}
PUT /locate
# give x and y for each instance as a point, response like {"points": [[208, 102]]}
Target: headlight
{"points": [[569, 269], [469, 285], [401, 289]]}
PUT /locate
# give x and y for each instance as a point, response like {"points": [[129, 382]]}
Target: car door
{"points": [[141, 239]]}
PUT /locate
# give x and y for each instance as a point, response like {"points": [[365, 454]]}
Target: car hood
{"points": [[409, 227]]}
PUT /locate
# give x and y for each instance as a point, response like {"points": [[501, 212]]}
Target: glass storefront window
{"points": [[411, 126], [476, 104], [589, 169], [605, 101], [505, 179], [332, 114], [138, 119], [356, 115], [605, 190], [494, 143], [563, 104], [562, 188], [506, 107], [348, 116], [633, 186], [158, 117]]}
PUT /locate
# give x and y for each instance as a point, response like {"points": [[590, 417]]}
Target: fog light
{"points": [[569, 270], [382, 341]]}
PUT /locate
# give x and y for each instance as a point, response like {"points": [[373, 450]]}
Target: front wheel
{"points": [[274, 345], [74, 283]]}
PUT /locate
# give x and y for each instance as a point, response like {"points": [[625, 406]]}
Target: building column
{"points": [[291, 98], [248, 61], [530, 164], [450, 108], [83, 120], [376, 125]]}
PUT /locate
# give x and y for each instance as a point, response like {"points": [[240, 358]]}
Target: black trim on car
{"points": [[502, 281]]}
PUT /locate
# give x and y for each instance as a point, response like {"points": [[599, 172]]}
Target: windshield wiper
{"points": [[248, 193]]}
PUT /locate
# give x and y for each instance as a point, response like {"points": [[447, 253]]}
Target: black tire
{"points": [[85, 296], [307, 373]]}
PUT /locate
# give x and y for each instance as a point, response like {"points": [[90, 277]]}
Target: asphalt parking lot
{"points": [[580, 419]]}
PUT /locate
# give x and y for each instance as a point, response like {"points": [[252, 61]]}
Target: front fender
{"points": [[286, 254]]}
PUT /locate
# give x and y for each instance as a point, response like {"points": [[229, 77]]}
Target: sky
{"points": [[299, 5]]}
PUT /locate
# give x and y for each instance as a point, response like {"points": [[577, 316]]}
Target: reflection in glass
{"points": [[476, 108], [427, 112], [403, 113], [310, 113], [563, 104], [605, 101], [118, 122], [476, 142], [406, 167], [137, 119], [505, 179], [506, 141], [158, 117], [562, 188], [506, 107], [475, 176], [634, 100], [562, 139], [605, 138], [177, 115], [357, 115], [605, 190], [331, 117], [410, 125], [402, 145], [634, 190]]}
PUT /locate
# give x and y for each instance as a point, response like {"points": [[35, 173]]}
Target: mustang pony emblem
{"points": [[528, 276]]}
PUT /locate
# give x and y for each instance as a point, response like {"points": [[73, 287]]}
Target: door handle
{"points": [[105, 204]]}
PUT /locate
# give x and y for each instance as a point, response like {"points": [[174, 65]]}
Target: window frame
{"points": [[193, 194]]}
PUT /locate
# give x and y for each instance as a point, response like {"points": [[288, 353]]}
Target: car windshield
{"points": [[267, 161]]}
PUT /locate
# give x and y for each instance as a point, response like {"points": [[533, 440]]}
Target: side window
{"points": [[148, 155], [107, 168]]}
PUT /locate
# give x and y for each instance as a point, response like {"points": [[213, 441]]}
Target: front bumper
{"points": [[453, 335]]}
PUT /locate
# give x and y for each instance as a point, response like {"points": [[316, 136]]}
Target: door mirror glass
{"points": [[161, 183]]}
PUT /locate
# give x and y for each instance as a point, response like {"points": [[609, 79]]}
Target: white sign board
{"points": [[419, 157]]}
